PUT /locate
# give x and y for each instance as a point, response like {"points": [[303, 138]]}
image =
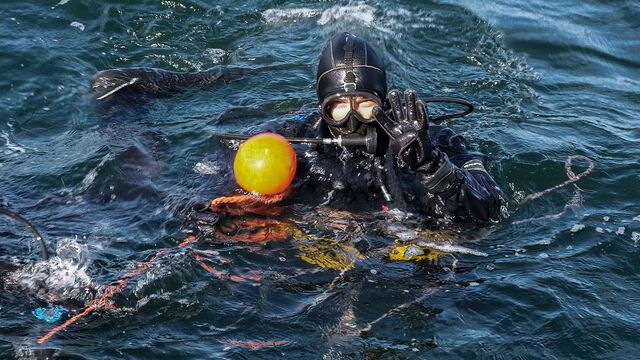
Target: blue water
{"points": [[550, 80]]}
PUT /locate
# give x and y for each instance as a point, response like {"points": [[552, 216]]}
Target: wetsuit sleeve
{"points": [[114, 84], [456, 181]]}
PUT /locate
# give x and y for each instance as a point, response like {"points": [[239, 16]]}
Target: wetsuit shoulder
{"points": [[457, 147]]}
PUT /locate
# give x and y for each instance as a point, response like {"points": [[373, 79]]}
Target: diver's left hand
{"points": [[408, 129]]}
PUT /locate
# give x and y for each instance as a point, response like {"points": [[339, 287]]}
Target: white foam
{"points": [[91, 175], [61, 277], [271, 16], [360, 13], [635, 236], [12, 148], [450, 248], [206, 168], [216, 55], [77, 25], [576, 227], [543, 242]]}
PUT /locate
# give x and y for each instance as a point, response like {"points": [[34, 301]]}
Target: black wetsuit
{"points": [[456, 188]]}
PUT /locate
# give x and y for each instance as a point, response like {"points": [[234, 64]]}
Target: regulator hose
{"points": [[449, 100], [15, 216]]}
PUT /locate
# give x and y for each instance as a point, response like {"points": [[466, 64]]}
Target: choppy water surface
{"points": [[551, 79]]}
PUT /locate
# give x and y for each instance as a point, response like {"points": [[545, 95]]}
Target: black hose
{"points": [[241, 137], [339, 141], [449, 100], [34, 231]]}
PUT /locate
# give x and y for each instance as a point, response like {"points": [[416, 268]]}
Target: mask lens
{"points": [[339, 110], [365, 109]]}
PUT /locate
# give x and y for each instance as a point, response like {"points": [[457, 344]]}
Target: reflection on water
{"points": [[550, 81]]}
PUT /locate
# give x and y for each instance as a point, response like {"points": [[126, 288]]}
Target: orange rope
{"points": [[256, 230], [104, 300], [86, 311], [190, 239], [246, 200], [572, 177]]}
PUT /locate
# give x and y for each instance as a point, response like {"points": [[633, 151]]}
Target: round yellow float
{"points": [[265, 164]]}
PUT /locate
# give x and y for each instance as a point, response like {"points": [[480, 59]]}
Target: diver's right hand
{"points": [[201, 219], [408, 129]]}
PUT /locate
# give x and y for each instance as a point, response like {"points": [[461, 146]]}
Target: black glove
{"points": [[201, 220], [408, 130]]}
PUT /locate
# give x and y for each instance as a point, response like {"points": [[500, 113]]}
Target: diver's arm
{"points": [[466, 191], [456, 178], [453, 177], [110, 84]]}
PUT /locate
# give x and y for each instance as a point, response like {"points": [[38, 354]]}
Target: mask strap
{"points": [[350, 77]]}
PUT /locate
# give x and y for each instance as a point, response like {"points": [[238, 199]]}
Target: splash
{"points": [[62, 277]]}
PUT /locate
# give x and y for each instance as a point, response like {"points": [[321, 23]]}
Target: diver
{"points": [[393, 155]]}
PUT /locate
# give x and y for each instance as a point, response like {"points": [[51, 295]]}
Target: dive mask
{"points": [[338, 109]]}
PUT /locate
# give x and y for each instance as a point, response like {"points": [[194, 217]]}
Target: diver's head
{"points": [[351, 81]]}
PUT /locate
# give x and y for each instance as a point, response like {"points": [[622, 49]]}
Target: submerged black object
{"points": [[34, 231]]}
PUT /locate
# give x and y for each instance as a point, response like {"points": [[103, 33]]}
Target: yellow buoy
{"points": [[265, 164]]}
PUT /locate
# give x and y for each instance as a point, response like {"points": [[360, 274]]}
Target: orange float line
{"points": [[104, 300], [222, 275], [246, 200], [86, 311], [256, 230]]}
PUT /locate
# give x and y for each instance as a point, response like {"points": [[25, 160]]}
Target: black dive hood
{"points": [[349, 64]]}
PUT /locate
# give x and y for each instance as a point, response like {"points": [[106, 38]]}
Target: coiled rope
{"points": [[570, 174]]}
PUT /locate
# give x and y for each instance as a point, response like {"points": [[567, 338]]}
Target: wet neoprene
{"points": [[408, 128]]}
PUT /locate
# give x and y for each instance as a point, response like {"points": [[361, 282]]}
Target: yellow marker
{"points": [[326, 252], [413, 253], [265, 164]]}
